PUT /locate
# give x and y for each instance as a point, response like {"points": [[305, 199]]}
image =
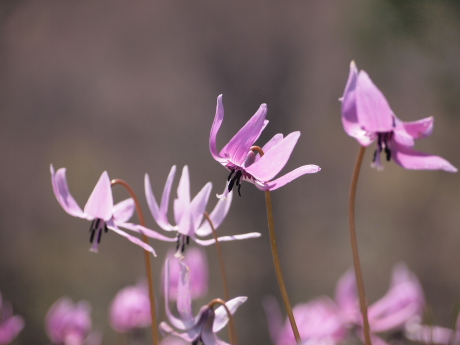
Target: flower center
{"points": [[181, 241], [236, 179], [97, 226], [382, 145]]}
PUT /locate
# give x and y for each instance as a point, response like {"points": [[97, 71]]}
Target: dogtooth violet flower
{"points": [[188, 215], [204, 326], [10, 325], [244, 164], [130, 309], [100, 210], [367, 116], [70, 324]]}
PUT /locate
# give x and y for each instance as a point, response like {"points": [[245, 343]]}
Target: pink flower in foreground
{"points": [[130, 309], [244, 164], [100, 210], [189, 214], [367, 116], [10, 325], [198, 264], [204, 326], [70, 324]]}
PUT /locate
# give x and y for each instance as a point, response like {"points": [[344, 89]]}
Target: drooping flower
{"points": [[100, 210], [197, 262], [10, 325], [204, 326], [244, 164], [130, 309], [70, 324], [367, 116], [188, 215]]}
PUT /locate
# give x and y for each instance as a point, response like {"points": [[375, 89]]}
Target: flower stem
{"points": [[233, 339], [354, 246], [232, 328], [276, 262], [148, 266]]}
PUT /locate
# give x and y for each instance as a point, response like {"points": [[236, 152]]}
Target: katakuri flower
{"points": [[70, 324], [10, 325], [130, 309], [204, 326], [100, 210], [198, 264], [242, 159], [367, 116], [188, 215]]}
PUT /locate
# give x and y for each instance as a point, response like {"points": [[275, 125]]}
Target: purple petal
{"points": [[238, 147], [146, 231], [133, 239], [346, 297], [100, 202], [217, 216], [198, 205], [272, 142], [430, 334], [415, 160], [268, 166], [221, 316], [215, 128], [184, 295], [63, 196], [419, 129], [183, 195], [373, 110], [228, 238], [168, 329], [274, 318], [10, 328], [290, 176], [124, 210]]}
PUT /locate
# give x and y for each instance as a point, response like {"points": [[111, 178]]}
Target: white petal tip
{"points": [[93, 250], [221, 196]]}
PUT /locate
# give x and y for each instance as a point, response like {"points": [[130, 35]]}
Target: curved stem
{"points": [[354, 246], [232, 328], [233, 338], [148, 266]]}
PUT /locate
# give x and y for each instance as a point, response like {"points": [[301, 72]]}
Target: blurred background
{"points": [[131, 87]]}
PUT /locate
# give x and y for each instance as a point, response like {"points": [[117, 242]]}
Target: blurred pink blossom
{"points": [[10, 325]]}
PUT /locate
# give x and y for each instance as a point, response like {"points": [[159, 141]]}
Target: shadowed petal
{"points": [[217, 216], [124, 210], [221, 316], [290, 176], [183, 195], [63, 196], [100, 202], [228, 238], [215, 128], [184, 295], [168, 329]]}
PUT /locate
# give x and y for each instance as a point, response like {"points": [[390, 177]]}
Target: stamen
{"points": [[99, 234], [239, 190], [230, 176], [105, 228], [188, 239], [91, 228], [235, 178], [375, 156], [388, 153], [91, 239]]}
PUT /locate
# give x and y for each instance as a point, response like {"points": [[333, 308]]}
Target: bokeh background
{"points": [[130, 87]]}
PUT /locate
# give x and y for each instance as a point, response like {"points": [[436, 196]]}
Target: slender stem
{"points": [[148, 266], [232, 328], [233, 339], [354, 246]]}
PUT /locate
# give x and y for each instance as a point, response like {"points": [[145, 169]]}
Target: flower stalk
{"points": [[148, 266]]}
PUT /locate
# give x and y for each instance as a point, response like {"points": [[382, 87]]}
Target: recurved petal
{"points": [[290, 176], [217, 216], [146, 231], [168, 329], [198, 204], [373, 111], [100, 202], [215, 128], [124, 210], [221, 316], [238, 147], [273, 142], [183, 195], [419, 129], [184, 295], [268, 166], [133, 239], [415, 160], [62, 193], [228, 238], [160, 214]]}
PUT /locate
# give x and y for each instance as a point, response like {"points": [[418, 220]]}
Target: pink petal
{"points": [[168, 329], [215, 128], [217, 216], [133, 239], [100, 202], [10, 328], [268, 166], [147, 232], [63, 196], [346, 297], [290, 176], [183, 195], [198, 205], [272, 142], [415, 160], [430, 334], [124, 210], [419, 129], [221, 316], [238, 147], [184, 295], [228, 238], [373, 110], [274, 317]]}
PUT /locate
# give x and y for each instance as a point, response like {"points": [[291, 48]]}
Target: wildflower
{"points": [[100, 210], [244, 164], [130, 309], [197, 262], [204, 326], [70, 324], [367, 116], [189, 214], [10, 325]]}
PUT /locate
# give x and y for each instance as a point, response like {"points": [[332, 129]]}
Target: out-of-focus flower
{"points": [[198, 264], [204, 326], [244, 164], [130, 309], [189, 214], [367, 116], [100, 210], [173, 341], [70, 324], [10, 325]]}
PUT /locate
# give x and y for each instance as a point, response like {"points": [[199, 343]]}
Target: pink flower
{"points": [[70, 324], [10, 325], [130, 309], [198, 264], [100, 210], [367, 116], [244, 164]]}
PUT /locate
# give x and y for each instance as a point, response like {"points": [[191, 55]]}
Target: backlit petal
{"points": [[217, 216], [290, 176], [184, 295], [100, 202], [228, 238], [221, 316], [124, 210], [62, 193], [133, 239], [215, 129], [183, 195]]}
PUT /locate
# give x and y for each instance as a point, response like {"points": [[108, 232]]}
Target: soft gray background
{"points": [[130, 87]]}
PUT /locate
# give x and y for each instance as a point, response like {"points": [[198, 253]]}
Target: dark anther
{"points": [[177, 245], [388, 153], [91, 228], [379, 142], [182, 248], [99, 234], [98, 220], [91, 239], [188, 239], [375, 156], [239, 190], [230, 176], [236, 179]]}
